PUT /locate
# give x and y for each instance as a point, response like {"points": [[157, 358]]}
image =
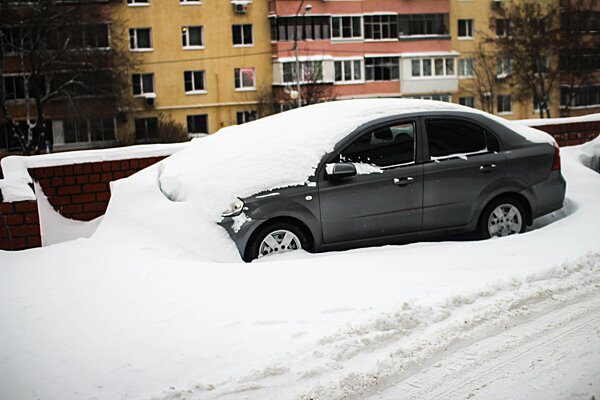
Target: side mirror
{"points": [[340, 170]]}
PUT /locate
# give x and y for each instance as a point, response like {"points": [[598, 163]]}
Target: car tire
{"points": [[499, 213], [278, 232]]}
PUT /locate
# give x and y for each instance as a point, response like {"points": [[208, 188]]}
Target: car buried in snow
{"points": [[407, 177]]}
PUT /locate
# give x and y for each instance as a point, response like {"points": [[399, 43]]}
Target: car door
{"points": [[464, 165], [385, 197]]}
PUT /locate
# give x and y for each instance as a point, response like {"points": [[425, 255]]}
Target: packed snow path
{"points": [[140, 318]]}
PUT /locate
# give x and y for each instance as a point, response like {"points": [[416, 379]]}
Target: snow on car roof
{"points": [[278, 151]]}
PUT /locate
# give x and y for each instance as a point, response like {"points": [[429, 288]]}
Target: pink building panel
{"points": [[368, 89]]}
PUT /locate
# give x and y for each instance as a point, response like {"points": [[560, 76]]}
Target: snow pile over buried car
{"points": [[184, 196]]}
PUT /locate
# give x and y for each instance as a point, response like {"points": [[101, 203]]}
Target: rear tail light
{"points": [[556, 162]]}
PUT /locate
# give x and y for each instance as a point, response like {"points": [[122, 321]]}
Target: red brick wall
{"points": [[19, 226], [574, 133], [81, 191]]}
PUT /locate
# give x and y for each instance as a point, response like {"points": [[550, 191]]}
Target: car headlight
{"points": [[234, 209]]}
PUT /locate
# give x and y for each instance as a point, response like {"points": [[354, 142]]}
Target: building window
{"points": [[381, 68], [244, 78], [502, 27], [194, 82], [465, 28], [143, 84], [588, 61], [288, 28], [242, 35], [191, 37], [190, 2], [379, 27], [422, 24], [140, 39], [197, 124], [504, 104], [468, 101], [441, 67], [437, 97], [348, 71], [346, 27], [75, 131], [466, 67], [146, 129], [14, 87], [310, 71], [138, 2], [503, 67], [586, 96], [245, 116], [102, 129]]}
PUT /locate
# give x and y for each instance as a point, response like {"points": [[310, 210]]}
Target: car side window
{"points": [[383, 147], [453, 137]]}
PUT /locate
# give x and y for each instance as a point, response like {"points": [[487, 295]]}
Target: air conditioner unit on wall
{"points": [[240, 8], [150, 99]]}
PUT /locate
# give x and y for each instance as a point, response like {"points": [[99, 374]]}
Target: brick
{"points": [[82, 179], [134, 164], [97, 167], [34, 241], [115, 165], [106, 166], [35, 173], [120, 174], [68, 170], [95, 178], [94, 187], [103, 196], [26, 206], [69, 190], [3, 232], [14, 244], [69, 180], [57, 171], [107, 177], [71, 209], [124, 164], [57, 181], [78, 169], [44, 183], [88, 216], [83, 198], [32, 218], [14, 219], [60, 200], [143, 163], [25, 230], [6, 208], [87, 168], [49, 192], [95, 207]]}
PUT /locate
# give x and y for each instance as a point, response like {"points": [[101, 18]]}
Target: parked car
{"points": [[404, 178]]}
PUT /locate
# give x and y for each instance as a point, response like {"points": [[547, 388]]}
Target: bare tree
{"points": [[58, 55], [526, 32], [484, 84], [313, 89], [579, 48]]}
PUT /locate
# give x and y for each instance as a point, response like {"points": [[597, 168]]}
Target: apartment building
{"points": [[386, 48], [201, 63]]}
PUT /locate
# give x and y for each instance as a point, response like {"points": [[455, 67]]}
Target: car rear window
{"points": [[454, 137]]}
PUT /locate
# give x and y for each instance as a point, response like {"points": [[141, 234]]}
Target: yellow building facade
{"points": [[201, 64], [470, 22]]}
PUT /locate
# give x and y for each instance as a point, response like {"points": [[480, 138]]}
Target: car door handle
{"points": [[487, 168], [403, 181]]}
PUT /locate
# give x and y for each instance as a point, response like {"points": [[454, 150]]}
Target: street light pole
{"points": [[307, 9]]}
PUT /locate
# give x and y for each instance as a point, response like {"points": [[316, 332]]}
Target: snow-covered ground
{"points": [[145, 311]]}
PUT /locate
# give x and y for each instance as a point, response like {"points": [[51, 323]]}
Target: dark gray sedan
{"points": [[405, 178]]}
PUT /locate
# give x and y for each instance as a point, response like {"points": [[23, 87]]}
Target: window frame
{"points": [[341, 17], [190, 117], [142, 93], [465, 62], [135, 40], [389, 24], [352, 80], [238, 77], [381, 65], [432, 61], [469, 29], [244, 114], [185, 35], [498, 103], [193, 81], [138, 3], [242, 34], [427, 158]]}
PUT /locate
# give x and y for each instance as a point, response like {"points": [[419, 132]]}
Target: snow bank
{"points": [[559, 121], [15, 185]]}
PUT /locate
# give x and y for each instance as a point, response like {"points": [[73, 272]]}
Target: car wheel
{"points": [[502, 217], [281, 237]]}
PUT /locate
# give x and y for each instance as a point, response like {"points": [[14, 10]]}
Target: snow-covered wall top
{"points": [[15, 185], [560, 121]]}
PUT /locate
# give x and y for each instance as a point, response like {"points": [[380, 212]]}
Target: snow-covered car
{"points": [[407, 176]]}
